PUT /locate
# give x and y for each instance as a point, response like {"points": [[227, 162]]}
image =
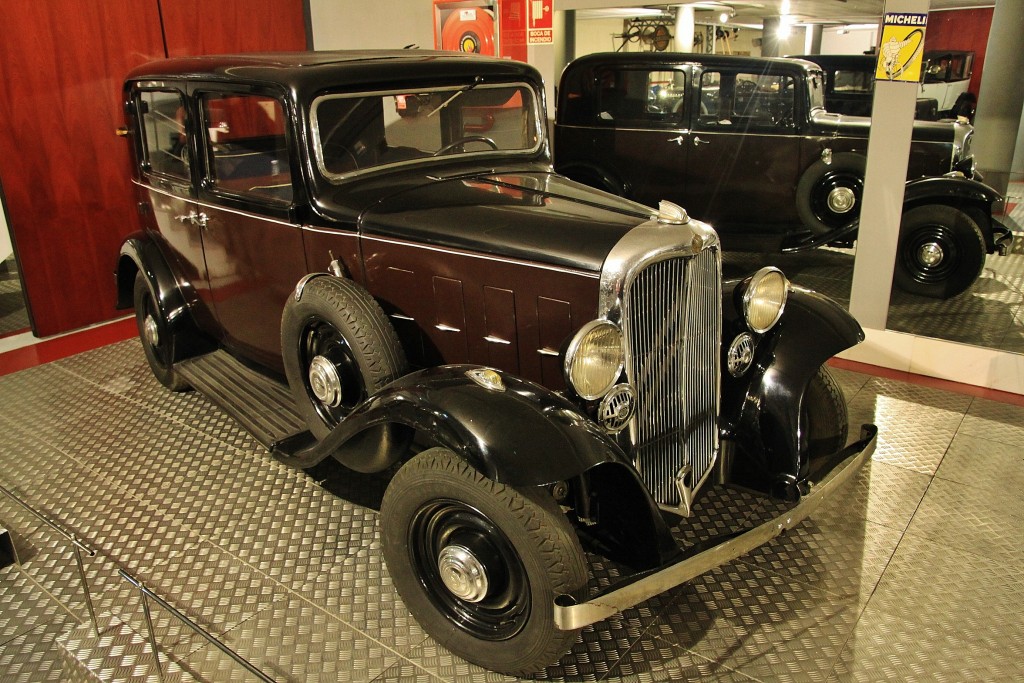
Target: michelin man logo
{"points": [[899, 55]]}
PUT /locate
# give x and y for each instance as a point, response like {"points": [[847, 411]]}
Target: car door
{"points": [[253, 250], [744, 156], [166, 191]]}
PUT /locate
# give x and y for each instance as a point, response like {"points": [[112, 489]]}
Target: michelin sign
{"points": [[902, 48]]}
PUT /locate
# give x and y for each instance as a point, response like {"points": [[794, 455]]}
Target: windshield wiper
{"points": [[458, 93]]}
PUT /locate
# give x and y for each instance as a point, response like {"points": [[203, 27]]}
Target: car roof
{"points": [[316, 69], [865, 62], [693, 58]]}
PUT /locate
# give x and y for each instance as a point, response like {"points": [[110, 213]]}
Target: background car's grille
{"points": [[672, 324]]}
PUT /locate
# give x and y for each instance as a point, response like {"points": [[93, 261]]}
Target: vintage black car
{"points": [[850, 86], [367, 256], [747, 145]]}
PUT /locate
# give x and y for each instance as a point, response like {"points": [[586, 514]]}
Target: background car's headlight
{"points": [[764, 299], [594, 360]]}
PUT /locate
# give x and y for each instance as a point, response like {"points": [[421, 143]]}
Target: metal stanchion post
{"points": [[149, 629]]}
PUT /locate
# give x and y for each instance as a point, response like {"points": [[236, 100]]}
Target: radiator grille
{"points": [[672, 323]]}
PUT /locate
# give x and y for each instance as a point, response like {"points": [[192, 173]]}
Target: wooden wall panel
{"points": [[65, 176], [965, 29], [201, 27], [64, 173]]}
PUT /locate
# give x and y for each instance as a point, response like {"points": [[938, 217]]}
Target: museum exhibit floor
{"points": [[914, 573]]}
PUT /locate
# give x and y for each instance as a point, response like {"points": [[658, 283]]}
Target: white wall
{"points": [[853, 42], [357, 24], [597, 35]]}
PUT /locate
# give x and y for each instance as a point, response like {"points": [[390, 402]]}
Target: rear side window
{"points": [[247, 146], [165, 145], [755, 102]]}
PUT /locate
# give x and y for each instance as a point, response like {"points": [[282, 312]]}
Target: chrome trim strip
{"points": [[548, 352], [472, 254], [496, 340], [218, 207], [569, 617], [400, 316], [446, 328]]}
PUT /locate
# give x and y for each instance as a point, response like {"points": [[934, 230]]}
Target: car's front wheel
{"points": [[941, 252], [479, 563]]}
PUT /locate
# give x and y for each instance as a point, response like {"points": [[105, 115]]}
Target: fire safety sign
{"points": [[539, 26]]}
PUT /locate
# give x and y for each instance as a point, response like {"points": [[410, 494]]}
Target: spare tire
{"points": [[338, 349], [828, 196]]}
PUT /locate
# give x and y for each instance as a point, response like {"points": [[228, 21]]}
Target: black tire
{"points": [[823, 185], [824, 423], [339, 323], [526, 547], [158, 342], [944, 233]]}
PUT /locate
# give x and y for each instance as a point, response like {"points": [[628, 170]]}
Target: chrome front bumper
{"points": [[570, 616]]}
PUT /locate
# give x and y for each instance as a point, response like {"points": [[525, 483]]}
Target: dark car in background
{"points": [[368, 256], [747, 145], [850, 86]]}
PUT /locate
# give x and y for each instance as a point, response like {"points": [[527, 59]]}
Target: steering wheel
{"points": [[462, 141]]}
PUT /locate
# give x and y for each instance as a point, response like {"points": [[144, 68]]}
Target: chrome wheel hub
{"points": [[152, 331], [841, 200], [930, 254], [325, 381], [462, 573]]}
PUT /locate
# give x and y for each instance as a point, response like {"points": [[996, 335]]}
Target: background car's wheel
{"points": [[338, 349], [941, 252], [479, 564], [828, 196], [824, 424], [158, 342]]}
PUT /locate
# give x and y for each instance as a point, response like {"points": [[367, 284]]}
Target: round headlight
{"points": [[594, 359], [764, 299]]}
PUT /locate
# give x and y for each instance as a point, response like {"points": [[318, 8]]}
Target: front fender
{"points": [[521, 435], [761, 409], [946, 189]]}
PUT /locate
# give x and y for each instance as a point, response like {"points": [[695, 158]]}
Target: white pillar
{"points": [[684, 28]]}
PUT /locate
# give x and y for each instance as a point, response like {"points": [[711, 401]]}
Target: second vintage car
{"points": [[367, 256], [746, 144]]}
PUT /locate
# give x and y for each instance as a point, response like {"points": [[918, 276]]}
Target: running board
{"points": [[262, 405]]}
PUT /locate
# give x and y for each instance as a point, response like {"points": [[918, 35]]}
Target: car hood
{"points": [[842, 124], [535, 216]]}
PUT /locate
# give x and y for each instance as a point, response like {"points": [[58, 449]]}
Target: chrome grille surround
{"points": [[662, 284]]}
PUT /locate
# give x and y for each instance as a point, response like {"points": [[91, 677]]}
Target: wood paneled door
{"points": [[64, 174]]}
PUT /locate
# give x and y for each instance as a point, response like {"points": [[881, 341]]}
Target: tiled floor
{"points": [[917, 573], [13, 314]]}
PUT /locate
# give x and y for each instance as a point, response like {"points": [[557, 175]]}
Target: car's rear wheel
{"points": [[158, 342], [479, 564], [338, 349], [941, 252]]}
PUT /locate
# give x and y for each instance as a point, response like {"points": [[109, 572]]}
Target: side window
{"points": [[246, 145], [754, 102], [853, 81], [640, 98], [165, 148]]}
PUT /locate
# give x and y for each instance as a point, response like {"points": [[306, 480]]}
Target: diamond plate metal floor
{"points": [[915, 574]]}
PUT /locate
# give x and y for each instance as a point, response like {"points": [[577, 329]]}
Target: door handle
{"points": [[195, 218], [698, 141], [678, 140]]}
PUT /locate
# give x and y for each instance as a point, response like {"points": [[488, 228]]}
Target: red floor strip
{"points": [[68, 345], [933, 382]]}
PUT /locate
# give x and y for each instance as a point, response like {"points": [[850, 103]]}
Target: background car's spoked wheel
{"points": [[479, 564], [338, 349], [157, 341], [829, 195], [941, 252]]}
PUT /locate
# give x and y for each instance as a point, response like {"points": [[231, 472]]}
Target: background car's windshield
{"points": [[355, 133]]}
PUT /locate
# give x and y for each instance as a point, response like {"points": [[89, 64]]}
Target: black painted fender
{"points": [[139, 253], [945, 188], [761, 409]]}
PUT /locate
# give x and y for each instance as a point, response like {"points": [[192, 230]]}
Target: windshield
{"points": [[355, 133]]}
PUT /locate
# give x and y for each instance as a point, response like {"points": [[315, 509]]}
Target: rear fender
{"points": [[140, 254], [761, 409]]}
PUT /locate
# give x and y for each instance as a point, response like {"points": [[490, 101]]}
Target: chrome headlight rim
{"points": [[573, 350], [756, 288]]}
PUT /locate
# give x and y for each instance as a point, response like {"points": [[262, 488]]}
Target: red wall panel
{"points": [[65, 176], [961, 30], [63, 171], [201, 27]]}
